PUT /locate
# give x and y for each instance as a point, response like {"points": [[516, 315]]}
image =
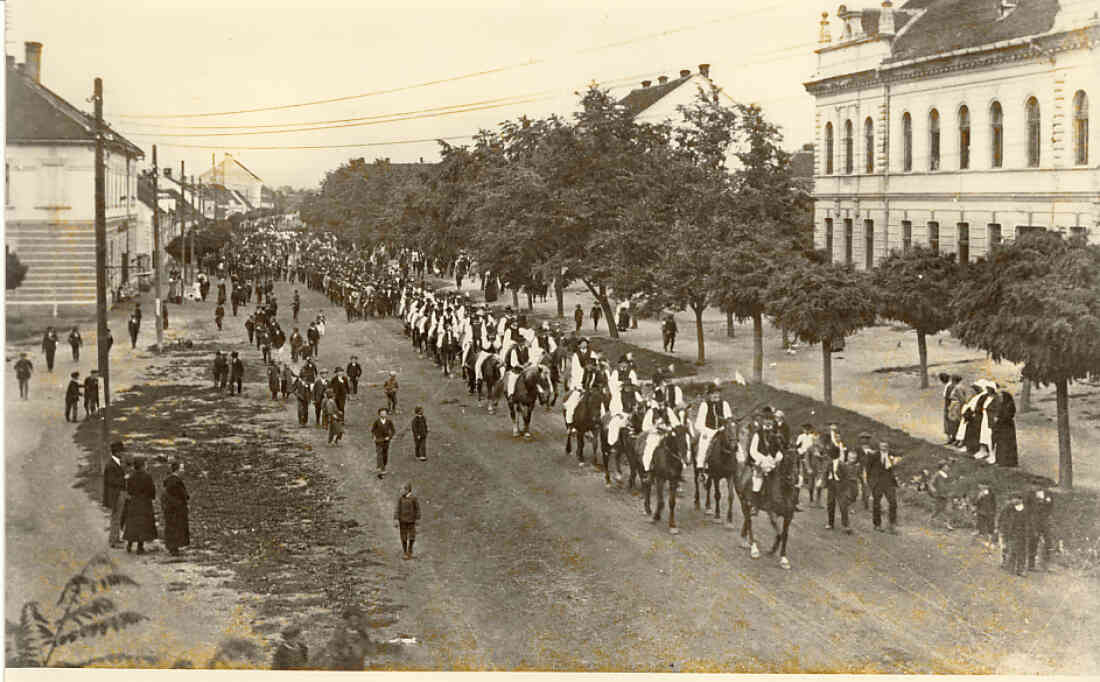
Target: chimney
{"points": [[33, 63], [662, 79], [886, 21], [705, 70], [646, 84], [684, 73]]}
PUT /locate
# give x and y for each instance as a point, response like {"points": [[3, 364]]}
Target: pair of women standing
{"points": [[138, 522]]}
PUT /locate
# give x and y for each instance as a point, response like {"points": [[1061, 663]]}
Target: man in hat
{"points": [[23, 369], [355, 370], [292, 653], [320, 385], [114, 482], [334, 417], [1039, 505], [880, 476], [405, 516], [764, 455], [578, 316], [49, 347], [867, 452], [236, 372], [390, 389], [674, 395], [544, 345], [518, 359], [383, 431], [624, 389], [221, 370], [840, 488], [711, 418], [577, 363], [303, 392], [91, 394], [668, 333], [341, 387], [72, 397], [1013, 527], [659, 420]]}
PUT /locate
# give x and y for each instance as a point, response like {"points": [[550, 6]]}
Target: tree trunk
{"points": [[758, 347], [1065, 457], [515, 299], [1025, 396], [786, 339], [559, 293], [922, 351], [608, 313], [729, 324], [699, 334], [827, 370], [530, 301]]}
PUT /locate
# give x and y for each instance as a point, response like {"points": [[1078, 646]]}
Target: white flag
{"points": [[740, 380]]}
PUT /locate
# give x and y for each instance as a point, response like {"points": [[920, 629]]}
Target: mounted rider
{"points": [[544, 344], [518, 360], [487, 349], [623, 384], [709, 420], [659, 421], [764, 455], [577, 363]]}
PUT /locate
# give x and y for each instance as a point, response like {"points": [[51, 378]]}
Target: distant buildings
{"points": [[50, 193], [956, 124], [241, 190]]}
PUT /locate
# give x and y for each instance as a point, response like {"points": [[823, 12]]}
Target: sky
{"points": [[160, 60]]}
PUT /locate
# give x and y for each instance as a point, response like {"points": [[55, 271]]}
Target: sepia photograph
{"points": [[749, 337]]}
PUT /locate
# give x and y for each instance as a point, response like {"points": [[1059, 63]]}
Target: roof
{"points": [[802, 163], [237, 161], [949, 25], [640, 99], [36, 114]]}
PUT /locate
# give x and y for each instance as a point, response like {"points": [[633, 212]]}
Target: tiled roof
{"points": [[640, 99], [948, 25], [37, 114]]}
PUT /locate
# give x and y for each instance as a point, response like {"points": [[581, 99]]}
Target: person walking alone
{"points": [[383, 431], [419, 429], [49, 347], [23, 369], [139, 525], [173, 503], [75, 341], [405, 516], [72, 398]]}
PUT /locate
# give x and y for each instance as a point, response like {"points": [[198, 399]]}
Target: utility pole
{"points": [[191, 233], [156, 253], [214, 176], [181, 207], [101, 274]]}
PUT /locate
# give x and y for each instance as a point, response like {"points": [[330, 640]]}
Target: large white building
{"points": [[955, 123], [50, 194]]}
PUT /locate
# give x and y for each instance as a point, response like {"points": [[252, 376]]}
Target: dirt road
{"points": [[527, 561]]}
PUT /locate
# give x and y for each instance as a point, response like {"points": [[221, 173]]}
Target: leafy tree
{"points": [[85, 613], [821, 302], [15, 271], [914, 287], [1036, 302]]}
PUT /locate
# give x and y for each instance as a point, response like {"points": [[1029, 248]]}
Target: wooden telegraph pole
{"points": [[156, 253], [101, 275], [181, 208], [191, 233]]}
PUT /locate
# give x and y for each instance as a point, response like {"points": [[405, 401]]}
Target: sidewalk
{"points": [[53, 528], [894, 397]]}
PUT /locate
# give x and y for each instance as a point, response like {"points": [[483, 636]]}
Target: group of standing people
{"points": [[981, 420], [129, 492]]}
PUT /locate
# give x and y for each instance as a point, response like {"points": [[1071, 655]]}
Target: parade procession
{"points": [[752, 339]]}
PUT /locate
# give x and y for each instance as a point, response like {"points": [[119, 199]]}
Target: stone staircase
{"points": [[61, 264]]}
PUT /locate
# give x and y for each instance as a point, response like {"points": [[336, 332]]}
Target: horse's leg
{"points": [[672, 489], [568, 441], [513, 415], [659, 484], [695, 475], [717, 498], [783, 561], [778, 533], [605, 451], [729, 503], [647, 486], [527, 420]]}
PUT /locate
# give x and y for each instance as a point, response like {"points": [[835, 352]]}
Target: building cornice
{"points": [[984, 56]]}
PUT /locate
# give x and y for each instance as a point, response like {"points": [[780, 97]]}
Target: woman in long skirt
{"points": [[140, 526], [177, 527], [1004, 432]]}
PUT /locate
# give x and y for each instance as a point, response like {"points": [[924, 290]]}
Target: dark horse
{"points": [[586, 421], [721, 465], [667, 467], [492, 382], [531, 385], [778, 499]]}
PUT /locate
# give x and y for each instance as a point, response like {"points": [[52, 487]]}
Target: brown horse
{"points": [[667, 467], [533, 384], [778, 499], [721, 465], [586, 421]]}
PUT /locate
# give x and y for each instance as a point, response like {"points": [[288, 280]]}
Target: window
{"points": [[869, 144], [933, 140], [829, 238], [907, 142], [964, 138], [997, 137], [993, 231], [848, 167], [869, 243], [934, 236], [1081, 128], [828, 149], [964, 242], [1033, 139], [848, 241], [1021, 230], [906, 235]]}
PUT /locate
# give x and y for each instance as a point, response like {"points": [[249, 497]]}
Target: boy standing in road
{"points": [[405, 516], [390, 388], [383, 431], [420, 434], [23, 369]]}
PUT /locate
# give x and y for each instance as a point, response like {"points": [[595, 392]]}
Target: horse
{"points": [[586, 421], [620, 449], [667, 466], [532, 384], [778, 500], [721, 465], [492, 381]]}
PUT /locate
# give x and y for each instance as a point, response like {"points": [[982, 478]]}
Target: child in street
{"points": [[390, 388], [383, 431], [405, 516], [937, 488], [985, 505], [1013, 527], [420, 434]]}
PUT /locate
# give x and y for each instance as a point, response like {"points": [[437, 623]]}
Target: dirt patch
{"points": [[915, 369]]}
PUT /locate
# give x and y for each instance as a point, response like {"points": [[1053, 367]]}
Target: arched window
{"points": [[1081, 128], [964, 137], [869, 144], [907, 142], [997, 134], [933, 140], [848, 142], [1033, 139], [828, 149]]}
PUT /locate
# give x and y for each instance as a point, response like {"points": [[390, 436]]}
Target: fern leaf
{"points": [[74, 587], [113, 580], [99, 606], [99, 628]]}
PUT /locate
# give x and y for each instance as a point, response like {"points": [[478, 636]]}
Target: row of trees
{"points": [[704, 213]]}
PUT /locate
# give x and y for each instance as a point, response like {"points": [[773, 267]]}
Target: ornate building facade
{"points": [[956, 124]]}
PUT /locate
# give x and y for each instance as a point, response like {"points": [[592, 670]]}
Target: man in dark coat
{"points": [[1038, 506], [72, 397], [303, 391], [139, 524], [173, 503], [221, 371], [340, 388], [76, 342], [383, 431], [134, 325], [405, 516], [114, 481], [355, 370], [1013, 527], [49, 347], [91, 394], [236, 369], [578, 317], [840, 488], [319, 388], [880, 476]]}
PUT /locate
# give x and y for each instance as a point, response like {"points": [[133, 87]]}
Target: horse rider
{"points": [[659, 421], [709, 420], [623, 385], [577, 364], [487, 348], [544, 343], [764, 455], [518, 360]]}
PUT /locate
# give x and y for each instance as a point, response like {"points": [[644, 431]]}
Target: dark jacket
{"points": [[72, 393], [139, 524], [879, 477], [177, 527], [419, 427], [114, 478], [382, 432], [355, 370], [340, 388], [407, 509], [238, 369]]}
